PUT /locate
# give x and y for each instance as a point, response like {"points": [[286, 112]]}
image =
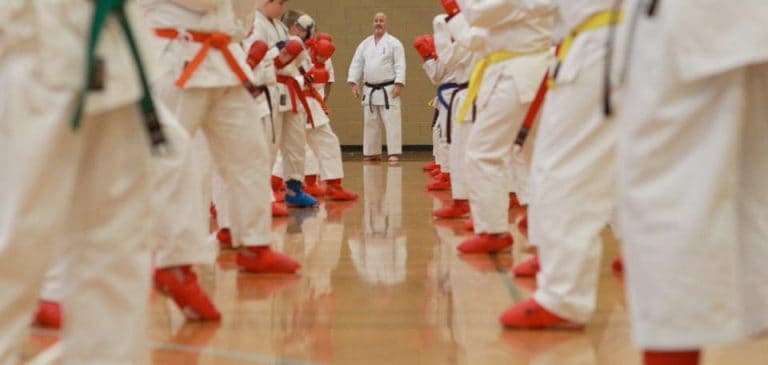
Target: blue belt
{"points": [[442, 88]]}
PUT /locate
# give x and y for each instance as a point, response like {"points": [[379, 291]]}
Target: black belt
{"points": [[376, 87], [459, 87]]}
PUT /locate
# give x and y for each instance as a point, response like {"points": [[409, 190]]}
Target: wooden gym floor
{"points": [[382, 283]]}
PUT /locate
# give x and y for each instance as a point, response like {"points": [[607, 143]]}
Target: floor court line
{"points": [[53, 353]]}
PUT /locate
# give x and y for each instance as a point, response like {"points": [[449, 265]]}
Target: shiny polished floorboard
{"points": [[382, 283]]}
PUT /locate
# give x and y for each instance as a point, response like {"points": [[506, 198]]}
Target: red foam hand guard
{"points": [[324, 36], [324, 49], [425, 45], [256, 53], [318, 74], [290, 51], [451, 7]]}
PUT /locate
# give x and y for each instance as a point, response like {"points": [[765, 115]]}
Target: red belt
{"points": [[218, 40], [311, 92], [533, 111], [294, 89]]}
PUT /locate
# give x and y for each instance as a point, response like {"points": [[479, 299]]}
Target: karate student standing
{"points": [[78, 182], [216, 93], [512, 43]]}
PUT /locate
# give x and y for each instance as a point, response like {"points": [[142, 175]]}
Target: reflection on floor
{"points": [[382, 283]]}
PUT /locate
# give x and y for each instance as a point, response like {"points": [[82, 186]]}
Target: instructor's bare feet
{"points": [[393, 160]]}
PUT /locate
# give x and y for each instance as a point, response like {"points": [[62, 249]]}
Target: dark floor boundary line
{"points": [[407, 148]]}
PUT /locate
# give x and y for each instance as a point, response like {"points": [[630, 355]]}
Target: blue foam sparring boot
{"points": [[295, 196]]}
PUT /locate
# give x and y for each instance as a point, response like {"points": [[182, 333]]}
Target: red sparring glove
{"points": [[324, 49], [451, 7], [291, 49], [425, 45], [318, 74], [324, 36], [256, 53]]}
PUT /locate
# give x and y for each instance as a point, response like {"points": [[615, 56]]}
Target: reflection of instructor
{"points": [[380, 62]]}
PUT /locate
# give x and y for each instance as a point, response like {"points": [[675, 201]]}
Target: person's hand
{"points": [[356, 91], [396, 90]]}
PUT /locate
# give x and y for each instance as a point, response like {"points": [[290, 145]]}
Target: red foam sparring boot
{"points": [[486, 243], [529, 314], [180, 283], [618, 265], [335, 191], [279, 210], [429, 166], [458, 209], [436, 171], [278, 188], [528, 268], [671, 358], [48, 315], [513, 201], [440, 182], [224, 236], [469, 224], [311, 186], [262, 260], [279, 196]]}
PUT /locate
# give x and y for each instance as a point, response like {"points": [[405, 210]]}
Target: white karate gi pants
{"points": [[489, 148], [90, 191], [238, 146], [572, 183], [693, 199], [382, 118]]}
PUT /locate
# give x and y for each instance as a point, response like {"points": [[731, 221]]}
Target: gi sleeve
{"points": [[399, 54]]}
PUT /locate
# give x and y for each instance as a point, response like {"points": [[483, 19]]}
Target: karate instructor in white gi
{"points": [[380, 62]]}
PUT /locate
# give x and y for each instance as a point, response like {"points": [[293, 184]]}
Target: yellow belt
{"points": [[478, 70], [597, 20]]}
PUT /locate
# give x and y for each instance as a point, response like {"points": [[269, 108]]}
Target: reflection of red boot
{"points": [[311, 186], [212, 210], [469, 224], [531, 315], [527, 268], [261, 259], [335, 191], [224, 236], [522, 225], [458, 209], [486, 243], [429, 166], [513, 201], [279, 210], [278, 188], [48, 315], [618, 265], [180, 283], [671, 358], [440, 182]]}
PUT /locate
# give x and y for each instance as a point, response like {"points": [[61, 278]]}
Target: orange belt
{"points": [[216, 40], [294, 89]]}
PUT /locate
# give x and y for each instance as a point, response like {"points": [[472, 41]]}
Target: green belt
{"points": [[102, 9]]}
